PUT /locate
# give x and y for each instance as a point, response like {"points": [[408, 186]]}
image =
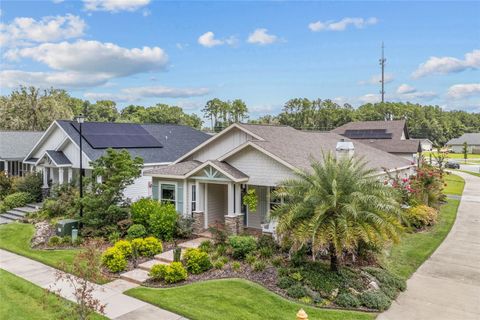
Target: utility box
{"points": [[64, 227]]}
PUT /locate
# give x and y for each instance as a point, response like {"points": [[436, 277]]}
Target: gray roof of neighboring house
{"points": [[394, 146], [469, 138], [15, 145], [298, 147], [58, 157], [175, 139]]}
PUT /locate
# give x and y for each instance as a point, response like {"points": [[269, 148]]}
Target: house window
{"points": [[194, 198], [167, 193], [274, 202]]}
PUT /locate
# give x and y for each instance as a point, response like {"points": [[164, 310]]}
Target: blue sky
{"points": [[185, 53]]}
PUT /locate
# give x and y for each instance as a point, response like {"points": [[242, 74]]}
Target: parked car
{"points": [[452, 165]]}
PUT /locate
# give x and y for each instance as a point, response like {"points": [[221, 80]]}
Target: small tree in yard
{"points": [[87, 269], [465, 151], [440, 157], [103, 202], [335, 206]]}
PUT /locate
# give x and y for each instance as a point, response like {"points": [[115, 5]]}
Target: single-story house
{"points": [[210, 181], [57, 152], [14, 146], [425, 144], [390, 136], [472, 140]]}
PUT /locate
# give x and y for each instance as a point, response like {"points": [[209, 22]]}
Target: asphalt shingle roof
{"points": [[58, 157], [15, 145], [175, 139], [469, 138]]}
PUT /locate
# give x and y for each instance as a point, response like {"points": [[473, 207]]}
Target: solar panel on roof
{"points": [[368, 134], [117, 135]]}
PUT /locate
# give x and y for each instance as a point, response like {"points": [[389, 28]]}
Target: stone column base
{"points": [[45, 192], [198, 222], [234, 224]]}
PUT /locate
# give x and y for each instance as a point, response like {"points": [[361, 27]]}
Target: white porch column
{"points": [[238, 198], [5, 164], [70, 175], [230, 197], [200, 196], [60, 175], [45, 177], [186, 200]]}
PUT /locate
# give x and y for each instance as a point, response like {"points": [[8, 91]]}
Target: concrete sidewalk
{"points": [[118, 305], [447, 285]]}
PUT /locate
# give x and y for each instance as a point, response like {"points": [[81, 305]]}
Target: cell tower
{"points": [[382, 64]]}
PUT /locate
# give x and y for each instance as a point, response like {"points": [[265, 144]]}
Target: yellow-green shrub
{"points": [[197, 261], [158, 271], [125, 247], [151, 246], [114, 260], [175, 272], [421, 216]]}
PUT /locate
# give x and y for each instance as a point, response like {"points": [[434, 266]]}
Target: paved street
{"points": [[447, 286]]}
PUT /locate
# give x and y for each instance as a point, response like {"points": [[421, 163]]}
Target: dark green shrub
{"points": [[114, 237], [259, 266], [197, 261], [206, 246], [5, 184], [175, 272], [30, 183], [283, 272], [114, 260], [136, 231], [184, 227], [266, 241], [17, 199], [299, 257], [278, 261], [251, 258], [62, 202], [242, 245], [375, 300], [390, 292], [158, 271], [67, 240], [296, 291], [285, 282], [347, 300], [54, 241], [265, 252], [386, 278], [162, 222]]}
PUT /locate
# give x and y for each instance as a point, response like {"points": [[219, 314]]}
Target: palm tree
{"points": [[335, 206]]}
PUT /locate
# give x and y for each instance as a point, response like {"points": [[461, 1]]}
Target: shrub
{"points": [[206, 246], [347, 300], [421, 216], [296, 291], [124, 247], [141, 210], [236, 266], [114, 237], [177, 254], [30, 183], [242, 245], [151, 246], [114, 260], [219, 234], [297, 276], [158, 271], [137, 246], [184, 227], [221, 249], [251, 258], [259, 266], [197, 261], [223, 259], [265, 252], [123, 225], [5, 184], [285, 282], [17, 199], [218, 264], [162, 222], [54, 241], [277, 261], [375, 300], [306, 300], [63, 202], [136, 231], [67, 240], [175, 272], [386, 278], [266, 241]]}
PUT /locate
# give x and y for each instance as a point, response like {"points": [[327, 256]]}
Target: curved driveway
{"points": [[447, 285]]}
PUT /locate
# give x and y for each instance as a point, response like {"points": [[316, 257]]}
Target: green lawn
{"points": [[470, 172], [455, 184], [232, 299], [426, 154], [414, 248], [20, 299]]}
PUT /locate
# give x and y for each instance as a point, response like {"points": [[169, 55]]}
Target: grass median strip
{"points": [[454, 185]]}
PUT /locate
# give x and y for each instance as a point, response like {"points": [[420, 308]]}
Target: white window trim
{"points": [[176, 191], [190, 190]]}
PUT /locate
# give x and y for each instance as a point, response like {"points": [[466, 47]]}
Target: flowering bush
{"points": [[421, 216], [428, 185]]}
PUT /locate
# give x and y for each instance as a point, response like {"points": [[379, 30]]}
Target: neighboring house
{"points": [[425, 144], [14, 146], [389, 136], [209, 182], [472, 140], [57, 153]]}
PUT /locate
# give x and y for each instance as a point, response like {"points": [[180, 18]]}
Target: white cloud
{"points": [[114, 5], [138, 93], [460, 91], [25, 30], [14, 78], [94, 57], [375, 79], [445, 65], [341, 25], [370, 98], [261, 36], [405, 88], [208, 40]]}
